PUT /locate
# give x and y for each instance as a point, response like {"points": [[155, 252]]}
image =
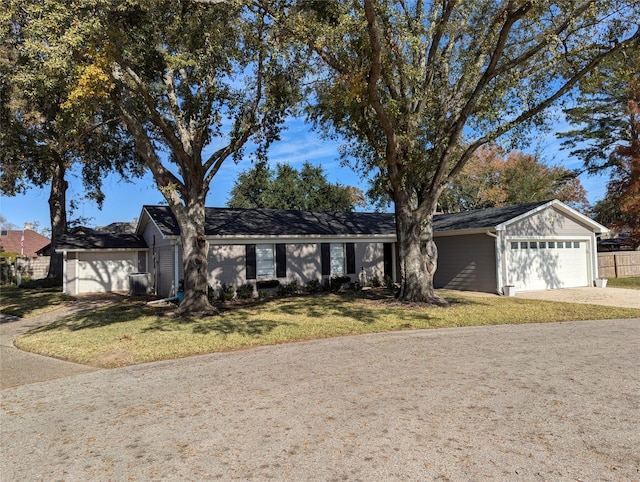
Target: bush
{"points": [[40, 283], [337, 282], [227, 292], [291, 288], [244, 291], [388, 283], [375, 282], [313, 286]]}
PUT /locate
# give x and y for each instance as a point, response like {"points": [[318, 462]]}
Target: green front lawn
{"points": [[631, 283], [130, 332]]}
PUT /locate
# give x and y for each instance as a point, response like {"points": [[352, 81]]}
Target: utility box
{"points": [[139, 284]]}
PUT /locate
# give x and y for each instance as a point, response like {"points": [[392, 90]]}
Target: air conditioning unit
{"points": [[139, 284]]}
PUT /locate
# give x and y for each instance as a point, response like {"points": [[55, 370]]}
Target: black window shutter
{"points": [[251, 261], [388, 260], [325, 258], [350, 249], [281, 260]]}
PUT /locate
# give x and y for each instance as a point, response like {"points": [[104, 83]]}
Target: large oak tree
{"points": [[194, 83], [417, 87], [46, 127]]}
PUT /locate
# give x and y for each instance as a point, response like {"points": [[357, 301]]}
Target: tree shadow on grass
{"points": [[215, 324]]}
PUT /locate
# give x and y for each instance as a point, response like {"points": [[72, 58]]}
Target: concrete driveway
{"points": [[595, 296], [555, 401]]}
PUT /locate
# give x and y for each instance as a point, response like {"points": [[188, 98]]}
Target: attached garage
{"points": [[535, 246], [538, 264], [101, 262]]}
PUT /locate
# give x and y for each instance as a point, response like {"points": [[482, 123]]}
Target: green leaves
{"points": [[287, 188]]}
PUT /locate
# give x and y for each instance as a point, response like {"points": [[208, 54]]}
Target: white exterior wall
{"points": [[226, 265], [370, 258], [303, 262]]}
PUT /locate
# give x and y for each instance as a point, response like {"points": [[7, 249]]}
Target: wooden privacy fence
{"points": [[619, 265]]}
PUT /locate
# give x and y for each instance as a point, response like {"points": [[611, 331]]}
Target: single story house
{"points": [[535, 246]]}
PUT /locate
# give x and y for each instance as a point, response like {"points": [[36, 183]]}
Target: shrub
{"points": [[375, 282], [388, 283], [337, 282], [291, 288], [40, 283], [244, 291], [314, 286], [227, 292]]}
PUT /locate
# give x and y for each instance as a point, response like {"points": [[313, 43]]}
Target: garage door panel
{"points": [[102, 272], [540, 264]]}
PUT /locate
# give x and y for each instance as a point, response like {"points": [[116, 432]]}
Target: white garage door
{"points": [[541, 265], [108, 271]]}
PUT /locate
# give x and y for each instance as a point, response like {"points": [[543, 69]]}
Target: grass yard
{"points": [[31, 302], [631, 283], [130, 332]]}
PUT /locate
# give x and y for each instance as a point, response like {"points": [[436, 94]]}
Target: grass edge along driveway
{"points": [[131, 332]]}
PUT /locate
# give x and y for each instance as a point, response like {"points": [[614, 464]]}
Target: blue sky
{"points": [[299, 143]]}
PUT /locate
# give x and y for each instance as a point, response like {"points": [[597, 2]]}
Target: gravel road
{"points": [[558, 401]]}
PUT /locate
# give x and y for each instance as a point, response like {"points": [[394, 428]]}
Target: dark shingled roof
{"points": [[482, 218], [275, 222], [95, 240]]}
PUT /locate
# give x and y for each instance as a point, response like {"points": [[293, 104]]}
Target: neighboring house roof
{"points": [[229, 222], [11, 240], [93, 240], [118, 228]]}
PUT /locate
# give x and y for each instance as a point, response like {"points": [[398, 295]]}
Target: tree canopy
{"points": [[416, 88], [492, 178], [193, 83], [607, 137], [46, 127], [288, 188]]}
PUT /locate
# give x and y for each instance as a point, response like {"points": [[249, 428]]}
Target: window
{"points": [[560, 244], [337, 258], [533, 245], [552, 244], [514, 245], [524, 245], [543, 245], [265, 261], [576, 244]]}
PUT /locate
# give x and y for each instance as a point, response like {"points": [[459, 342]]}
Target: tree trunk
{"points": [[58, 216], [195, 250], [418, 255]]}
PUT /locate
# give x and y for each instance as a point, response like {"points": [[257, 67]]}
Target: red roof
{"points": [[11, 241]]}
